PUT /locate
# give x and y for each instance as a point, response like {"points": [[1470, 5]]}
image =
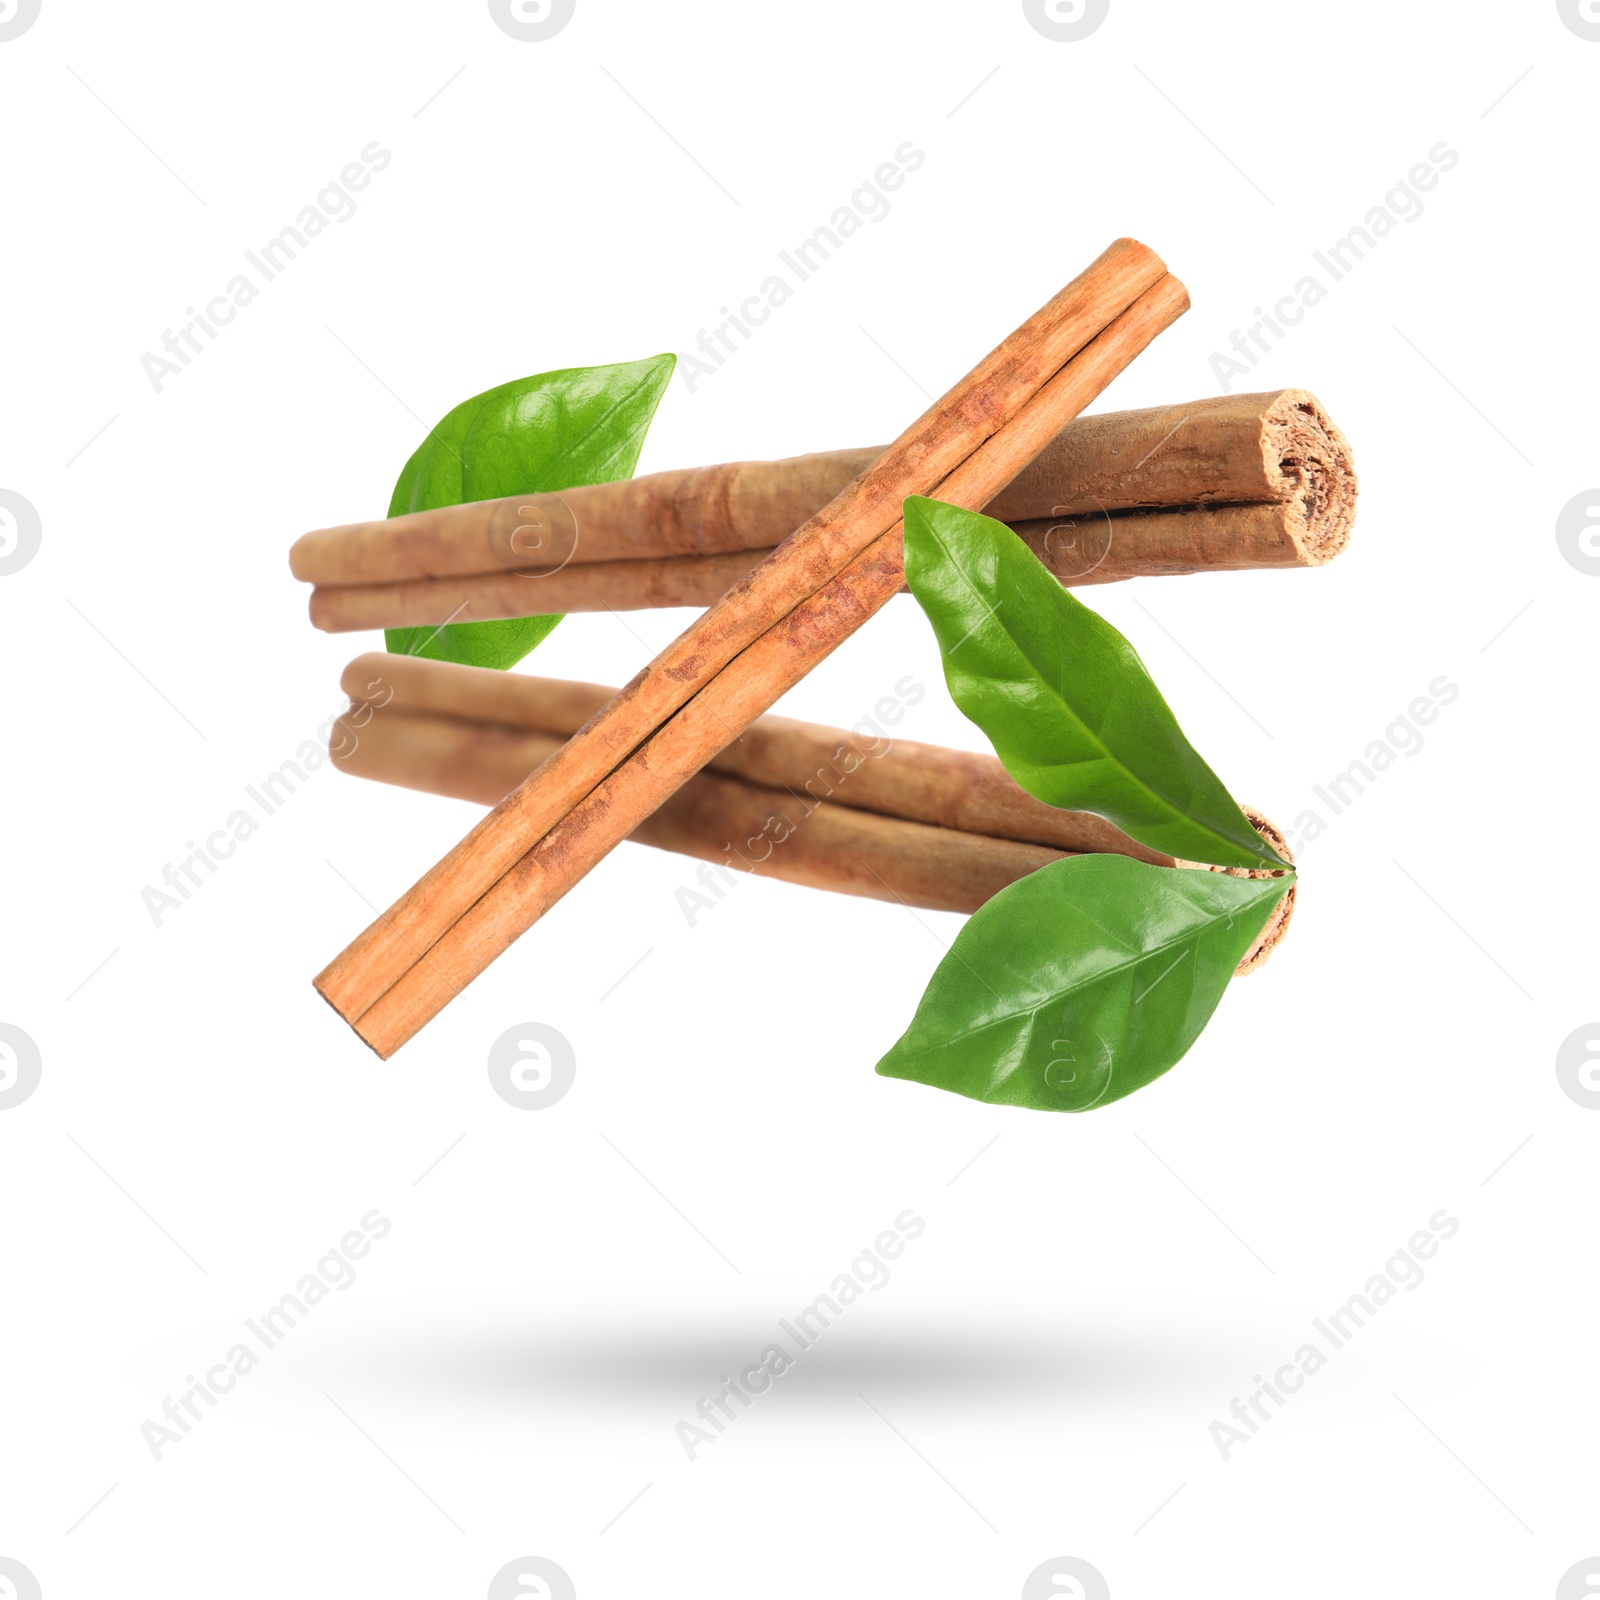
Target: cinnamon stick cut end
{"points": [[1271, 936], [380, 1037], [1309, 465], [382, 1055]]}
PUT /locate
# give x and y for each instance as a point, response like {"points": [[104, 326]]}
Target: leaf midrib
{"points": [[1094, 738], [1112, 971]]}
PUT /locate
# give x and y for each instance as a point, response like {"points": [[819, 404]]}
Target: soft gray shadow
{"points": [[607, 1364]]}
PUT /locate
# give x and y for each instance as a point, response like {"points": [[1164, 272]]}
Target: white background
{"points": [[1090, 1293]]}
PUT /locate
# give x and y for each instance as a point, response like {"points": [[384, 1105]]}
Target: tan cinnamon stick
{"points": [[865, 766], [829, 808], [1081, 550], [737, 825], [818, 587], [1241, 481]]}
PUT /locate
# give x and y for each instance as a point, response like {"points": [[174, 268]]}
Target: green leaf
{"points": [[1081, 982], [554, 431], [1064, 698]]}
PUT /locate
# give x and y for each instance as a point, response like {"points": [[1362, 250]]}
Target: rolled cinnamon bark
{"points": [[1235, 482], [737, 825], [867, 769], [817, 588], [828, 808]]}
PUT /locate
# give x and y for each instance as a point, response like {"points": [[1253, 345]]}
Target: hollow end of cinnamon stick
{"points": [[322, 994], [1309, 464], [1271, 935]]}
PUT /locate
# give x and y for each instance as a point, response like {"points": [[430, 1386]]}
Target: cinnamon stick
{"points": [[865, 766], [738, 826], [827, 808], [1234, 482], [822, 583]]}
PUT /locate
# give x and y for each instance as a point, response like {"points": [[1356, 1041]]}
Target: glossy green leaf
{"points": [[1064, 698], [554, 431], [1081, 982]]}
